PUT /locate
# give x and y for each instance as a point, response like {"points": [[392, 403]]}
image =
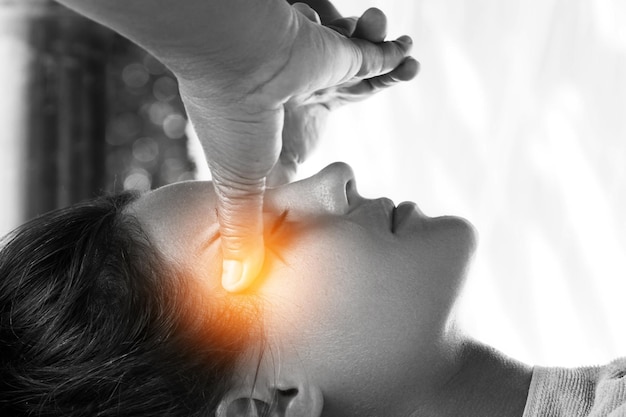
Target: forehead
{"points": [[179, 218], [173, 196]]}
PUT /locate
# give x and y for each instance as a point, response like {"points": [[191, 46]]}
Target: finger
{"points": [[239, 209], [283, 173], [301, 133], [307, 11], [379, 59], [241, 148], [324, 8], [371, 26], [343, 59], [404, 72], [345, 26]]}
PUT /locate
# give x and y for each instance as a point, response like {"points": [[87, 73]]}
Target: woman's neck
{"points": [[486, 384]]}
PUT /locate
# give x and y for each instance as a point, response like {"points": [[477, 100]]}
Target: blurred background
{"points": [[516, 122]]}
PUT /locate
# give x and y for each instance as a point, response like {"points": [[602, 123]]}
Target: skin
{"points": [[345, 298]]}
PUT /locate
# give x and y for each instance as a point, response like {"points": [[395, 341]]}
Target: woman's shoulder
{"points": [[593, 391]]}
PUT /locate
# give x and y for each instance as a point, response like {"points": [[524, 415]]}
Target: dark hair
{"points": [[93, 322]]}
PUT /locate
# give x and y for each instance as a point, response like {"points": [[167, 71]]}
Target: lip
{"points": [[372, 208], [385, 205], [388, 208], [403, 213]]}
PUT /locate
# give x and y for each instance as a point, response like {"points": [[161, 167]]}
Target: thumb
{"points": [[241, 148], [239, 209]]}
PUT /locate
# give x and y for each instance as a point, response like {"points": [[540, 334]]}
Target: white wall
{"points": [[517, 122]]}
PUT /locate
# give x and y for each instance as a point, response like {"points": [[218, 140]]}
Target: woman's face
{"points": [[357, 292]]}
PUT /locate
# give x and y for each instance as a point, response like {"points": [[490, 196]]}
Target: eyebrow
{"points": [[205, 245]]}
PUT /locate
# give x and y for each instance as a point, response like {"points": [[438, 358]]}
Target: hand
{"points": [[306, 115], [297, 84]]}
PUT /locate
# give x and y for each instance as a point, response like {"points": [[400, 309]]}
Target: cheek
{"points": [[315, 275], [346, 300], [341, 295]]}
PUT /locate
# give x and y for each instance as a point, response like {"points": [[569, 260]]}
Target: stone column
{"points": [[52, 108]]}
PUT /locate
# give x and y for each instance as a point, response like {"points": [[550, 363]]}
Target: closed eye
{"points": [[280, 221], [275, 228]]}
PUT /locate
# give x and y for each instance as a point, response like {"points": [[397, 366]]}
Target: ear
{"points": [[281, 400]]}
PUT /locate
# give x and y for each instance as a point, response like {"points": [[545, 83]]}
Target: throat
{"points": [[487, 384]]}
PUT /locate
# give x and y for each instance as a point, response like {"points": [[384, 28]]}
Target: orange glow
{"points": [[233, 321]]}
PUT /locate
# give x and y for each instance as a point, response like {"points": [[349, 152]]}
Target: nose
{"points": [[323, 193]]}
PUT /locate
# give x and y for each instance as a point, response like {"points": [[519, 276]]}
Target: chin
{"points": [[459, 225]]}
